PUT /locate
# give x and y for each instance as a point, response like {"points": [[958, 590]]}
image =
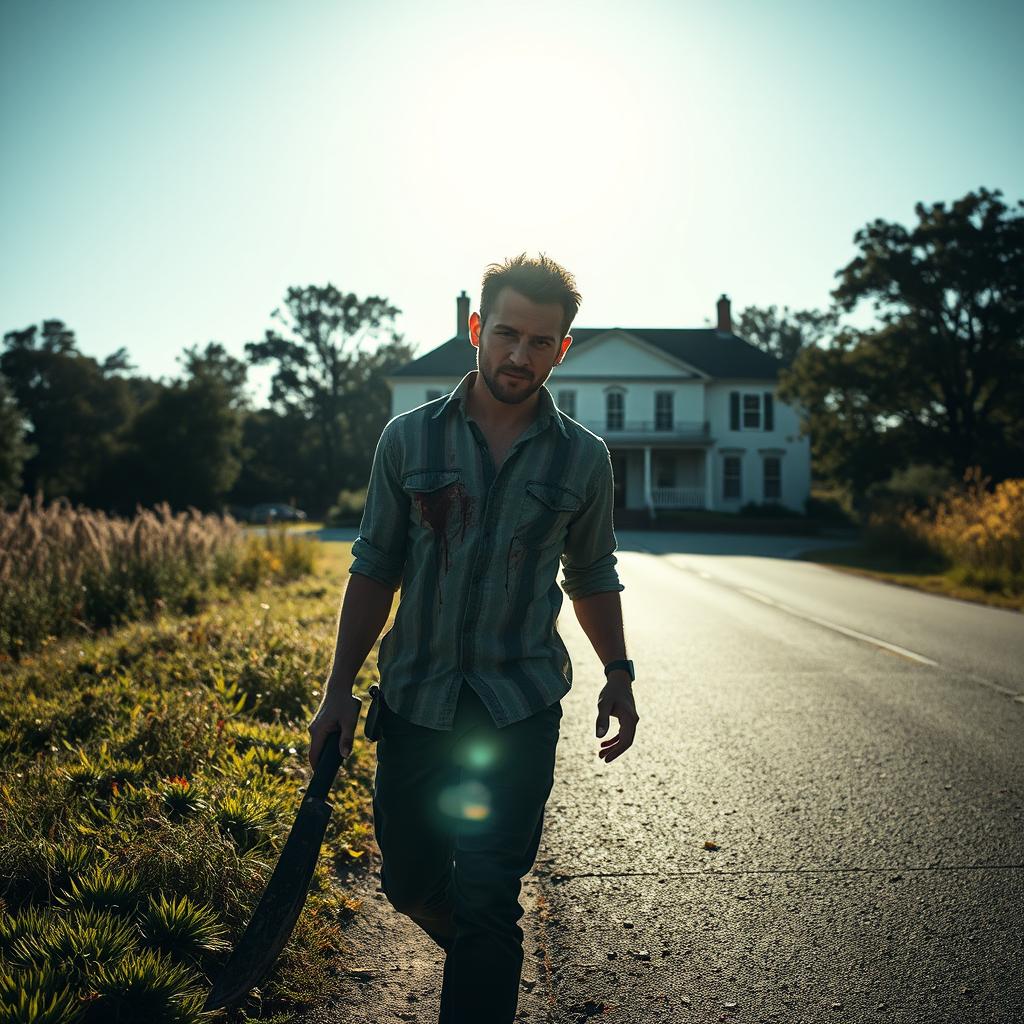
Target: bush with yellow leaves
{"points": [[979, 532]]}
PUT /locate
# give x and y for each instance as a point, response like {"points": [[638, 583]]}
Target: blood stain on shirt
{"points": [[436, 509]]}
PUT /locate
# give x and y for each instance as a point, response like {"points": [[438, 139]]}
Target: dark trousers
{"points": [[458, 818]]}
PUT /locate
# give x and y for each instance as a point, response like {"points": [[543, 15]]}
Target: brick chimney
{"points": [[725, 314], [462, 316]]}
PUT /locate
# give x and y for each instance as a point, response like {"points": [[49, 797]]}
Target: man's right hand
{"points": [[336, 712]]}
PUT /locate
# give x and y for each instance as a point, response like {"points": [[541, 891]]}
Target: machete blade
{"points": [[282, 901]]}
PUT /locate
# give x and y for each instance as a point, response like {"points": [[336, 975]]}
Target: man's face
{"points": [[518, 346]]}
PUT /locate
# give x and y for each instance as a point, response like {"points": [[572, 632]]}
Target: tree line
{"points": [[93, 431], [936, 380]]}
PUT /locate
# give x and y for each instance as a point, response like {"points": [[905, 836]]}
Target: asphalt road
{"points": [[865, 801], [820, 819]]}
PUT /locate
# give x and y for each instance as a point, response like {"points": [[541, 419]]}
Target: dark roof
{"points": [[714, 352]]}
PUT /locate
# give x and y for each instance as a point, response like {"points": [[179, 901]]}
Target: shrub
{"points": [[182, 928], [916, 486], [830, 507], [973, 533], [768, 510], [893, 539], [347, 509], [103, 888], [145, 988], [979, 531], [39, 995]]}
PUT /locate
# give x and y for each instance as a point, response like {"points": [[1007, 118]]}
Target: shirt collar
{"points": [[548, 409]]}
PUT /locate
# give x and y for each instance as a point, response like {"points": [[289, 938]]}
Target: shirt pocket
{"points": [[545, 514], [436, 500]]}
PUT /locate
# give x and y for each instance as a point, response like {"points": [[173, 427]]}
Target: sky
{"points": [[172, 168]]}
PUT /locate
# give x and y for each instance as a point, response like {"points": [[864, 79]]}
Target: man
{"points": [[473, 500]]}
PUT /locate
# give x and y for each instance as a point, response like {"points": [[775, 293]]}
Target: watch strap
{"points": [[626, 664]]}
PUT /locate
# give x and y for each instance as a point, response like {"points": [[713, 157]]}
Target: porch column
{"points": [[709, 491], [648, 497]]}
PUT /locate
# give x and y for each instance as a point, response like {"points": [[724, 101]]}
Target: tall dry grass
{"points": [[977, 532], [64, 569]]}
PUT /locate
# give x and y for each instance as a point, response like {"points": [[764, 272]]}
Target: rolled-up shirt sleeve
{"points": [[380, 549], [588, 559]]}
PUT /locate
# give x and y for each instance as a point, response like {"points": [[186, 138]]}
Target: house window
{"points": [[614, 410], [751, 410], [567, 403], [731, 476], [664, 470], [663, 410], [432, 393], [772, 478]]}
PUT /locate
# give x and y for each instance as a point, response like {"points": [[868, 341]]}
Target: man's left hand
{"points": [[616, 700]]}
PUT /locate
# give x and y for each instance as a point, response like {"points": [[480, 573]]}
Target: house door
{"points": [[619, 477]]}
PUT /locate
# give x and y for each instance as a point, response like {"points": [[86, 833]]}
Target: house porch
{"points": [[653, 478]]}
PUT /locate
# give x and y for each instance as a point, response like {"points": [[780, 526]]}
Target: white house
{"points": [[689, 414]]}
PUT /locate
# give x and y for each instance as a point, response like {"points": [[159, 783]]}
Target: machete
{"points": [[278, 909]]}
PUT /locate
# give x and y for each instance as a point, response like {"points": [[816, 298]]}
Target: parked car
{"points": [[275, 513]]}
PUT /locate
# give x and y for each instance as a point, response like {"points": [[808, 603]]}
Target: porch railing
{"points": [[678, 497], [620, 428]]}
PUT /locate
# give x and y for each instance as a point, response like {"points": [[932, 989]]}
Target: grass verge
{"points": [[931, 577], [150, 777]]}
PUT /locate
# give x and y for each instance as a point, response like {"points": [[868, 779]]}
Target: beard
{"points": [[507, 390]]}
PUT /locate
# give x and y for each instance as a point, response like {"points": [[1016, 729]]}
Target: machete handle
{"points": [[326, 767]]}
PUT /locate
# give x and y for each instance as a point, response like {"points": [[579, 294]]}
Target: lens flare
{"points": [[480, 755], [470, 801]]}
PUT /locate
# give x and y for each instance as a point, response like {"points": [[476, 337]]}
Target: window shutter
{"points": [[734, 410], [769, 412]]}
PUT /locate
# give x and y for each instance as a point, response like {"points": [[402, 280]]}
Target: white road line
{"points": [[857, 635], [845, 630], [884, 644]]}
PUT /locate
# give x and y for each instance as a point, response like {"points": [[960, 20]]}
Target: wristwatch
{"points": [[627, 665]]}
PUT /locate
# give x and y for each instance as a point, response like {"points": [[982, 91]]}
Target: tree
{"points": [[279, 452], [852, 441], [75, 407], [185, 445], [940, 380], [213, 365], [322, 375], [14, 450], [783, 334]]}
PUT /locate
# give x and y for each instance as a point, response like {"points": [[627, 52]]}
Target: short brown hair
{"points": [[541, 280]]}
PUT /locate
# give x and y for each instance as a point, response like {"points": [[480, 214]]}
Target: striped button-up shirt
{"points": [[476, 553]]}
